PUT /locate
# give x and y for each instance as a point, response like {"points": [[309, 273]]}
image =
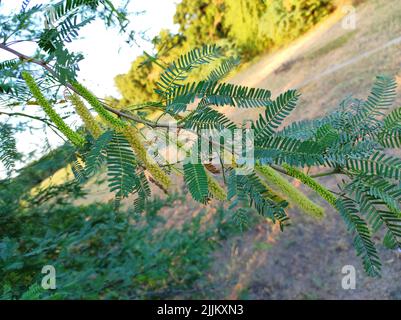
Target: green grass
{"points": [[263, 246], [331, 46]]}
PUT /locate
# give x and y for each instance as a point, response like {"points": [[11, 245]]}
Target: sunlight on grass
{"points": [[332, 45]]}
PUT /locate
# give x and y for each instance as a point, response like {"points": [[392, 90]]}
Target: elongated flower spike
{"points": [[215, 189], [99, 108], [130, 133], [87, 118], [311, 183], [71, 135], [290, 192]]}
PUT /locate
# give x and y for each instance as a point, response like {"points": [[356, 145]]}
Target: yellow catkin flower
{"points": [[290, 192], [130, 133], [89, 122], [311, 183], [132, 136], [215, 189], [97, 105], [272, 194], [71, 135]]}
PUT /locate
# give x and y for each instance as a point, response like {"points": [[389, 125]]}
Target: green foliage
{"points": [[379, 201], [196, 180], [34, 292], [363, 243], [121, 165], [349, 141], [251, 26], [25, 4], [283, 21], [378, 164], [207, 118], [97, 155], [345, 140], [249, 191], [36, 171], [113, 149], [382, 189], [278, 149], [242, 19], [381, 98], [223, 70], [137, 85], [98, 255], [393, 119], [240, 217], [219, 94], [66, 31], [8, 148], [177, 72], [390, 136], [67, 8], [201, 21], [64, 19], [9, 64], [142, 188], [274, 115], [74, 137]]}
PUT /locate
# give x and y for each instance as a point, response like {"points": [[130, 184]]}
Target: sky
{"points": [[105, 51]]}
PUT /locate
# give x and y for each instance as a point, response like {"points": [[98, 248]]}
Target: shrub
{"points": [[284, 21], [100, 255]]}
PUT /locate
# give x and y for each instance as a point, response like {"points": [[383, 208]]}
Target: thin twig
{"points": [[47, 67], [318, 175], [20, 114], [324, 174]]}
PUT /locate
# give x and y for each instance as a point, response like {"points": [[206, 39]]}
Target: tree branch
{"points": [[318, 175], [48, 68], [45, 121], [324, 174]]}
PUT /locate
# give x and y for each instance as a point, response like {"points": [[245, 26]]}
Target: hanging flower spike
{"points": [[311, 183], [87, 118], [132, 135], [215, 189], [288, 190], [71, 135], [97, 105]]}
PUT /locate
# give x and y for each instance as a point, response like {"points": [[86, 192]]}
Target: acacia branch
{"points": [[328, 173], [48, 68]]}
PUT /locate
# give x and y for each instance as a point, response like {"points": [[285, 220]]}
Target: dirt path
{"points": [[332, 60], [267, 64], [349, 62]]}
